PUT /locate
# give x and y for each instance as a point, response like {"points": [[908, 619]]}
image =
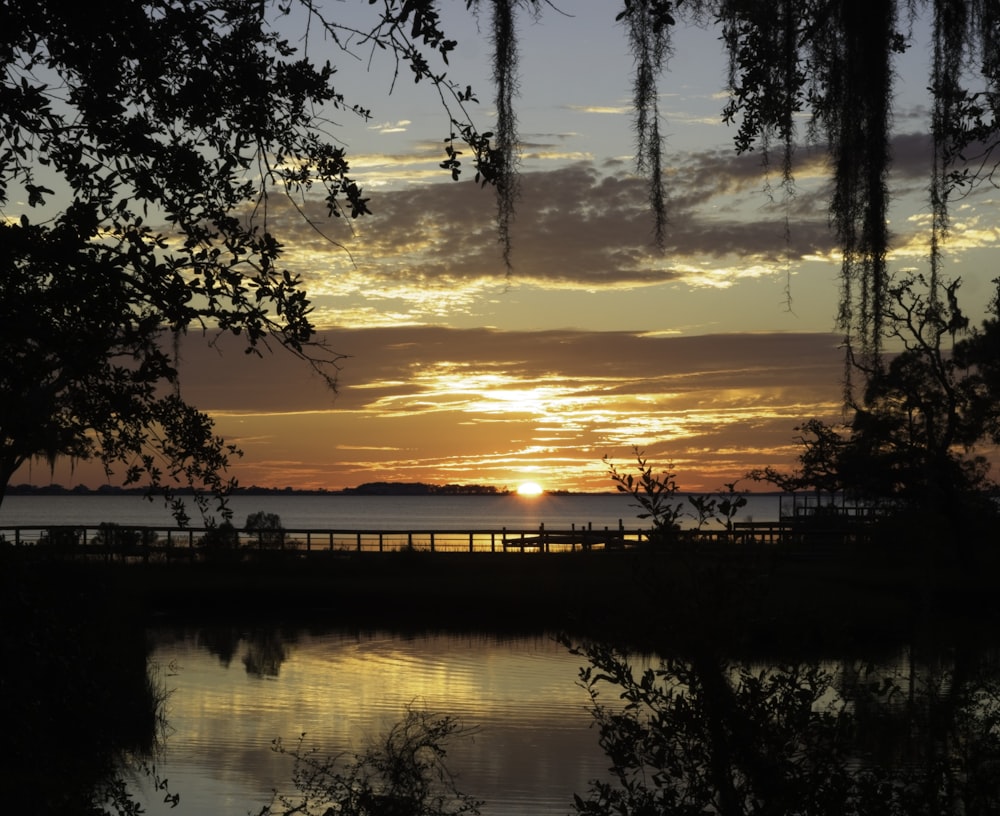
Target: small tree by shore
{"points": [[270, 535]]}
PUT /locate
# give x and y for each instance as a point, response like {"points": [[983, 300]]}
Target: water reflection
{"points": [[533, 749], [917, 734]]}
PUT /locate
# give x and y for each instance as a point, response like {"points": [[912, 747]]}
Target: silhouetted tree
{"points": [[917, 434], [267, 526], [924, 413], [185, 114]]}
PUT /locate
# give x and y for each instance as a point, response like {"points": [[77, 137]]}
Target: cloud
{"points": [[614, 110], [435, 245], [478, 405], [429, 253], [391, 127]]}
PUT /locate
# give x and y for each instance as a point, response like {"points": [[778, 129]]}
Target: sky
{"points": [[705, 356]]}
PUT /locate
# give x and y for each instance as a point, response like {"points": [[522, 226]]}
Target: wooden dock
{"points": [[173, 543], [110, 541]]}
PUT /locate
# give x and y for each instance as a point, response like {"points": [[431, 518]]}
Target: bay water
{"points": [[353, 512]]}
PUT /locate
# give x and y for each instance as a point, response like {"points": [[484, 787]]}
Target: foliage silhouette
{"points": [[916, 436], [221, 541], [831, 63], [654, 494], [267, 526], [81, 706], [186, 114], [696, 734], [405, 774]]}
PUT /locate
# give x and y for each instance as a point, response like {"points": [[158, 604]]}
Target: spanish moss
{"points": [[506, 139], [648, 23]]}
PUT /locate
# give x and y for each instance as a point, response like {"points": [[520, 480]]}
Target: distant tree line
{"points": [[368, 488], [422, 489]]}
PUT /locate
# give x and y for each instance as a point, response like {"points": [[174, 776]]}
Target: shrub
{"points": [[122, 539], [267, 526], [404, 773], [221, 538]]}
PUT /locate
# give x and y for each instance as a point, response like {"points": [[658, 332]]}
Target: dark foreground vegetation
{"points": [[741, 598]]}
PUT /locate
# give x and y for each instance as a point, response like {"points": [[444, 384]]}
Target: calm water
{"points": [[232, 692], [337, 512], [907, 732]]}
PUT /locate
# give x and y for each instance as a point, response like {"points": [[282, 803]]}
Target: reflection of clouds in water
{"points": [[533, 742], [534, 746]]}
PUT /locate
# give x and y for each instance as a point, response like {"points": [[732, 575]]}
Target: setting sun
{"points": [[529, 489]]}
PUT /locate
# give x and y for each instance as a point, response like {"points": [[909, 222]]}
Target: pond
{"points": [[231, 692], [914, 731]]}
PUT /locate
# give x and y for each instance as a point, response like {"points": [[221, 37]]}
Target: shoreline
{"points": [[652, 600]]}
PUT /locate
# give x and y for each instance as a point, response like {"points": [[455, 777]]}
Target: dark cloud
{"points": [[587, 227], [912, 157], [573, 223]]}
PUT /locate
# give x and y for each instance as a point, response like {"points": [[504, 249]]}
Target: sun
{"points": [[529, 489]]}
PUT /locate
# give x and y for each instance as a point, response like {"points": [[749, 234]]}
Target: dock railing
{"points": [[138, 543], [172, 543]]}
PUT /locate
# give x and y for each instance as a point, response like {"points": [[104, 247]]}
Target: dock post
{"points": [[381, 544], [470, 542], [432, 542], [543, 541], [359, 541]]}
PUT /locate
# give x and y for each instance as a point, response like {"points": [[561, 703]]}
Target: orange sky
{"points": [[493, 407], [460, 371], [486, 406]]}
